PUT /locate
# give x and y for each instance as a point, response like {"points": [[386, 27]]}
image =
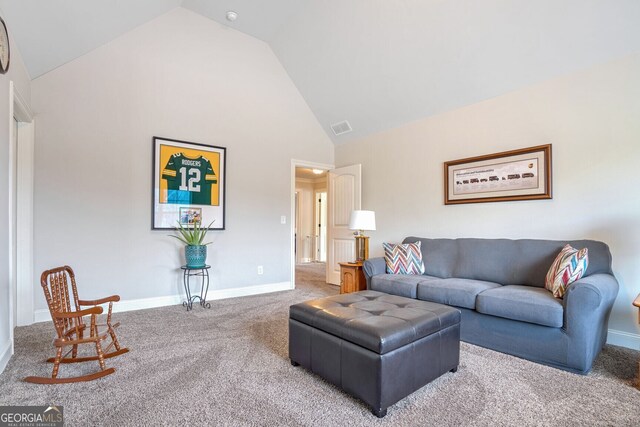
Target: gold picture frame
{"points": [[523, 174]]}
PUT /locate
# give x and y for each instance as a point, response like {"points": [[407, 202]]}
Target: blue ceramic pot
{"points": [[196, 256]]}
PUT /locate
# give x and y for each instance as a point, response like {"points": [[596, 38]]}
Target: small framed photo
{"points": [[523, 174], [188, 184], [190, 216]]}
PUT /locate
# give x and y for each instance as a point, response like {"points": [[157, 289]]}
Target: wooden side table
{"points": [[636, 302], [352, 277]]}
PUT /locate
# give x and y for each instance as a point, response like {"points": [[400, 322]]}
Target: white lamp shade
{"points": [[362, 220]]}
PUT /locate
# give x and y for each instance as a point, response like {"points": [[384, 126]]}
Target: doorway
{"points": [[310, 215], [308, 225], [21, 152]]}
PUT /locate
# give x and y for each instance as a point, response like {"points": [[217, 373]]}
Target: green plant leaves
{"points": [[192, 236]]}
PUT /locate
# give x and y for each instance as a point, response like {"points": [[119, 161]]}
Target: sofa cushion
{"points": [[456, 292], [524, 303], [569, 266], [398, 284], [403, 258]]}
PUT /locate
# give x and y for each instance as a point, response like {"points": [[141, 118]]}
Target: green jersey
{"points": [[189, 180]]}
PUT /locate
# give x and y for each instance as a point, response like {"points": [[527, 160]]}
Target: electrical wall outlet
{"points": [[260, 269], [283, 219]]}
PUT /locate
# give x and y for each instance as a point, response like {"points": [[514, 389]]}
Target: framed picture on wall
{"points": [[523, 174], [188, 184]]}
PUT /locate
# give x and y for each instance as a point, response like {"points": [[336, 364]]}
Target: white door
{"points": [[344, 195]]}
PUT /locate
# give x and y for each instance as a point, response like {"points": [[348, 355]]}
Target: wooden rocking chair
{"points": [[71, 329]]}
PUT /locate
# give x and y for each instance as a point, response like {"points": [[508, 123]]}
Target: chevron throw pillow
{"points": [[569, 266], [403, 258]]}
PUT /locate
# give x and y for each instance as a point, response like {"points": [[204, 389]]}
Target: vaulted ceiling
{"points": [[376, 63]]}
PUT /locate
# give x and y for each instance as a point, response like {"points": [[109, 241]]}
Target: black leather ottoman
{"points": [[377, 347]]}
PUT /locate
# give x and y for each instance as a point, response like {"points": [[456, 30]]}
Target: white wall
{"points": [[592, 118], [179, 76], [18, 74]]}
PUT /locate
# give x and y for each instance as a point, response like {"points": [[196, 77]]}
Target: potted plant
{"points": [[195, 252]]}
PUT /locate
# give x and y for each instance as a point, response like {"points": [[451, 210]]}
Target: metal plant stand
{"points": [[187, 273]]}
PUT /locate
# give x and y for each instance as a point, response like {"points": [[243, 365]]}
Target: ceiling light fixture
{"points": [[317, 171], [231, 16]]}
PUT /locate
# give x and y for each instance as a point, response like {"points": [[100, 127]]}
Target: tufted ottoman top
{"points": [[377, 321]]}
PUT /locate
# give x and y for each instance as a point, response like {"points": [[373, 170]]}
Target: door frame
{"points": [[23, 189], [292, 214]]}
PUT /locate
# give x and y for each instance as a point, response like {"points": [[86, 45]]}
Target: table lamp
{"points": [[361, 221]]}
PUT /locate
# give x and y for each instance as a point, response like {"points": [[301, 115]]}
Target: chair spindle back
{"points": [[56, 284]]}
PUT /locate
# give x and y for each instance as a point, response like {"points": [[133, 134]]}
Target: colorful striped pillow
{"points": [[569, 266], [403, 258]]}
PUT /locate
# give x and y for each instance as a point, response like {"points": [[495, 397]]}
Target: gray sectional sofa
{"points": [[498, 285]]}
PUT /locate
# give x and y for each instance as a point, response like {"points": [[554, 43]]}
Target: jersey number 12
{"points": [[191, 183]]}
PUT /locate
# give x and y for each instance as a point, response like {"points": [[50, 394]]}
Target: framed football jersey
{"points": [[188, 184]]}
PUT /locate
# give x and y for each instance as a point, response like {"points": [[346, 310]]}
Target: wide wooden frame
{"points": [[165, 211], [523, 174]]}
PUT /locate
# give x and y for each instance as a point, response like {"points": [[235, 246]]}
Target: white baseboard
{"points": [[250, 290], [142, 303], [623, 339], [5, 355]]}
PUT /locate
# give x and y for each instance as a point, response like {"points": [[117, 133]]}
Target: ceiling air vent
{"points": [[340, 128]]}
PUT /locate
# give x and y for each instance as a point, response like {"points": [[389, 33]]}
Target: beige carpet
{"points": [[229, 366]]}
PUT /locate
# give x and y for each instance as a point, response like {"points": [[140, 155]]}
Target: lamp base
{"points": [[362, 247]]}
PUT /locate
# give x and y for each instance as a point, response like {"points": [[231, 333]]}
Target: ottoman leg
{"points": [[380, 413], [454, 370], [294, 363]]}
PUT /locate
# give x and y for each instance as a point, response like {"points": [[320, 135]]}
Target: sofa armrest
{"points": [[592, 293], [587, 305], [373, 266]]}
